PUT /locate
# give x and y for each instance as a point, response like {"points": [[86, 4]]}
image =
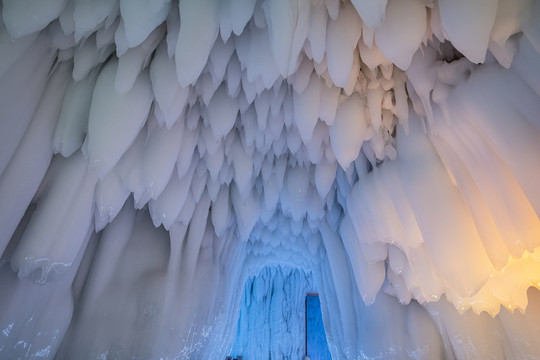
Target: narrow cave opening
{"points": [[272, 321], [316, 342]]}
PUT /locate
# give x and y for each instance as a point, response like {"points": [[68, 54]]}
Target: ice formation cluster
{"points": [[156, 155]]}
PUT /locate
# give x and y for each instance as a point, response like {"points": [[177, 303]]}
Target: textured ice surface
{"points": [[175, 176], [272, 315]]}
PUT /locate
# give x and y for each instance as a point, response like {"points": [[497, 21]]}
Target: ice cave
{"points": [[211, 179]]}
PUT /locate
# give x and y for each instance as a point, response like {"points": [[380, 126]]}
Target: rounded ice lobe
{"points": [[141, 17], [468, 25], [115, 120], [24, 17], [201, 18], [349, 130], [402, 31], [221, 113]]}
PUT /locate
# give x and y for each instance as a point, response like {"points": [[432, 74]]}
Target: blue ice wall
{"points": [[272, 316], [317, 346]]}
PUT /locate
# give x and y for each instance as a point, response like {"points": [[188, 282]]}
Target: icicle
{"points": [[221, 113], [142, 17], [306, 112], [22, 176], [115, 120], [349, 130], [468, 24], [341, 38], [200, 17], [160, 156], [24, 17], [396, 44], [73, 122]]}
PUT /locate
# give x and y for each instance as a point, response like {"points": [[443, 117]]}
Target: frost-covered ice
{"points": [[272, 316], [175, 176]]}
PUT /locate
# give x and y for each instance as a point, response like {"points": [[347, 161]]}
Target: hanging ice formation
{"points": [[155, 155]]}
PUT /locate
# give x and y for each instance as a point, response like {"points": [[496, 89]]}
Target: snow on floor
{"points": [[158, 158]]}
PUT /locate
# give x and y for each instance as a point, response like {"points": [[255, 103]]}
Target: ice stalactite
{"points": [[155, 156]]}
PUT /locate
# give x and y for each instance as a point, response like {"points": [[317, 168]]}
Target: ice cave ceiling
{"points": [[156, 155]]}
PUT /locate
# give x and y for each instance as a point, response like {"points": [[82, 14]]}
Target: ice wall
{"points": [[272, 315], [156, 155], [316, 343]]}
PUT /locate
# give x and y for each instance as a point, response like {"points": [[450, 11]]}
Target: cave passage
{"points": [[272, 315], [176, 176], [316, 344]]}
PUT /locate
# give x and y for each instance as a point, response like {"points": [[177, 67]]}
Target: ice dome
{"points": [[166, 166]]}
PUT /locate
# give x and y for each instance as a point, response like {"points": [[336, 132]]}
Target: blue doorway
{"points": [[316, 344]]}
